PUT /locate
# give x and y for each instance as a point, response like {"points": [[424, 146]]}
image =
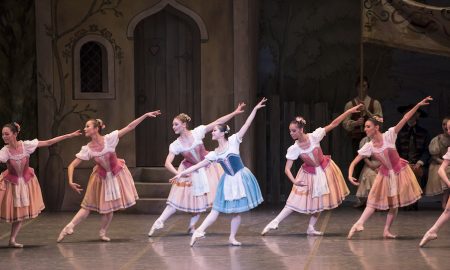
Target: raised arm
{"points": [[77, 188], [226, 118], [168, 164], [442, 172], [136, 122], [411, 112], [58, 139], [351, 169], [341, 117], [197, 166], [250, 118]]}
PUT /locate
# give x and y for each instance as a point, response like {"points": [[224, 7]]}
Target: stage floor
{"points": [[286, 248]]}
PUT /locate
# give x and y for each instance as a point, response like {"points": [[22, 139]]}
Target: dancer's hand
{"points": [[239, 108], [353, 180], [77, 188], [261, 104], [300, 183], [176, 178], [356, 108], [153, 114], [76, 133], [425, 101]]}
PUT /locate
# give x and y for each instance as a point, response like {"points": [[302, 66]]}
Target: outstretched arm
{"points": [[226, 118], [411, 112], [442, 172], [136, 122], [197, 166], [58, 139], [351, 169], [77, 188], [250, 118], [341, 117]]}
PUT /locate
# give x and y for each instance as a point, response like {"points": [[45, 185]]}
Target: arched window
{"points": [[93, 68], [93, 63]]}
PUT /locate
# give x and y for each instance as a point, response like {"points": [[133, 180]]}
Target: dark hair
{"points": [[299, 121], [225, 129], [376, 120], [98, 123], [14, 127], [365, 79]]}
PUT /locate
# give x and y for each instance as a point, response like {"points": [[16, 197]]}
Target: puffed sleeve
{"points": [[211, 156], [199, 132], [318, 134], [366, 150], [4, 155], [174, 148], [30, 146], [447, 155], [390, 136], [234, 140], [292, 153], [84, 153], [434, 146], [112, 139]]}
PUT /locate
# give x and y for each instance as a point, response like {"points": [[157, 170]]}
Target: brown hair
{"points": [[183, 118], [299, 121], [376, 120], [98, 123], [14, 127]]}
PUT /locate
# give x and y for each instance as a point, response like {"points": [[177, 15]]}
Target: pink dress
{"points": [[197, 192], [325, 186], [395, 184], [20, 193], [111, 186], [447, 157]]}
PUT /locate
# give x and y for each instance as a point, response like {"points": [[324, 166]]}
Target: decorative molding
{"points": [[93, 30], [160, 6]]}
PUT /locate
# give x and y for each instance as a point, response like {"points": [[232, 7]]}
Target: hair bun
{"points": [[17, 126], [300, 120], [378, 118]]}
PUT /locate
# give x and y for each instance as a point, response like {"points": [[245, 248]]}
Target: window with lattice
{"points": [[92, 67]]}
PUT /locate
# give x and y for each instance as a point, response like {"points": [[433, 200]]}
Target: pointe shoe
{"points": [[273, 225], [66, 231], [196, 236], [156, 226], [313, 232], [427, 237], [103, 237], [388, 235], [355, 228], [14, 244], [234, 243]]}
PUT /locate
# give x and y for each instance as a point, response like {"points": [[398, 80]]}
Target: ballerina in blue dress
{"points": [[238, 190]]}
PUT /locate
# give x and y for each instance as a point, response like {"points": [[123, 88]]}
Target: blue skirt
{"points": [[253, 195]]}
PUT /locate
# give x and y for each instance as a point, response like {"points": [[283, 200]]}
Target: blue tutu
{"points": [[253, 195]]}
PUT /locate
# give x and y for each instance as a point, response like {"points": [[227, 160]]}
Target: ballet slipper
{"points": [[313, 232], [14, 244], [355, 228], [389, 235], [196, 236], [427, 237], [156, 226], [103, 237], [273, 225], [68, 230], [234, 243]]}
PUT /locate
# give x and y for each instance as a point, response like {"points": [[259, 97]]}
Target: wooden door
{"points": [[167, 77]]}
